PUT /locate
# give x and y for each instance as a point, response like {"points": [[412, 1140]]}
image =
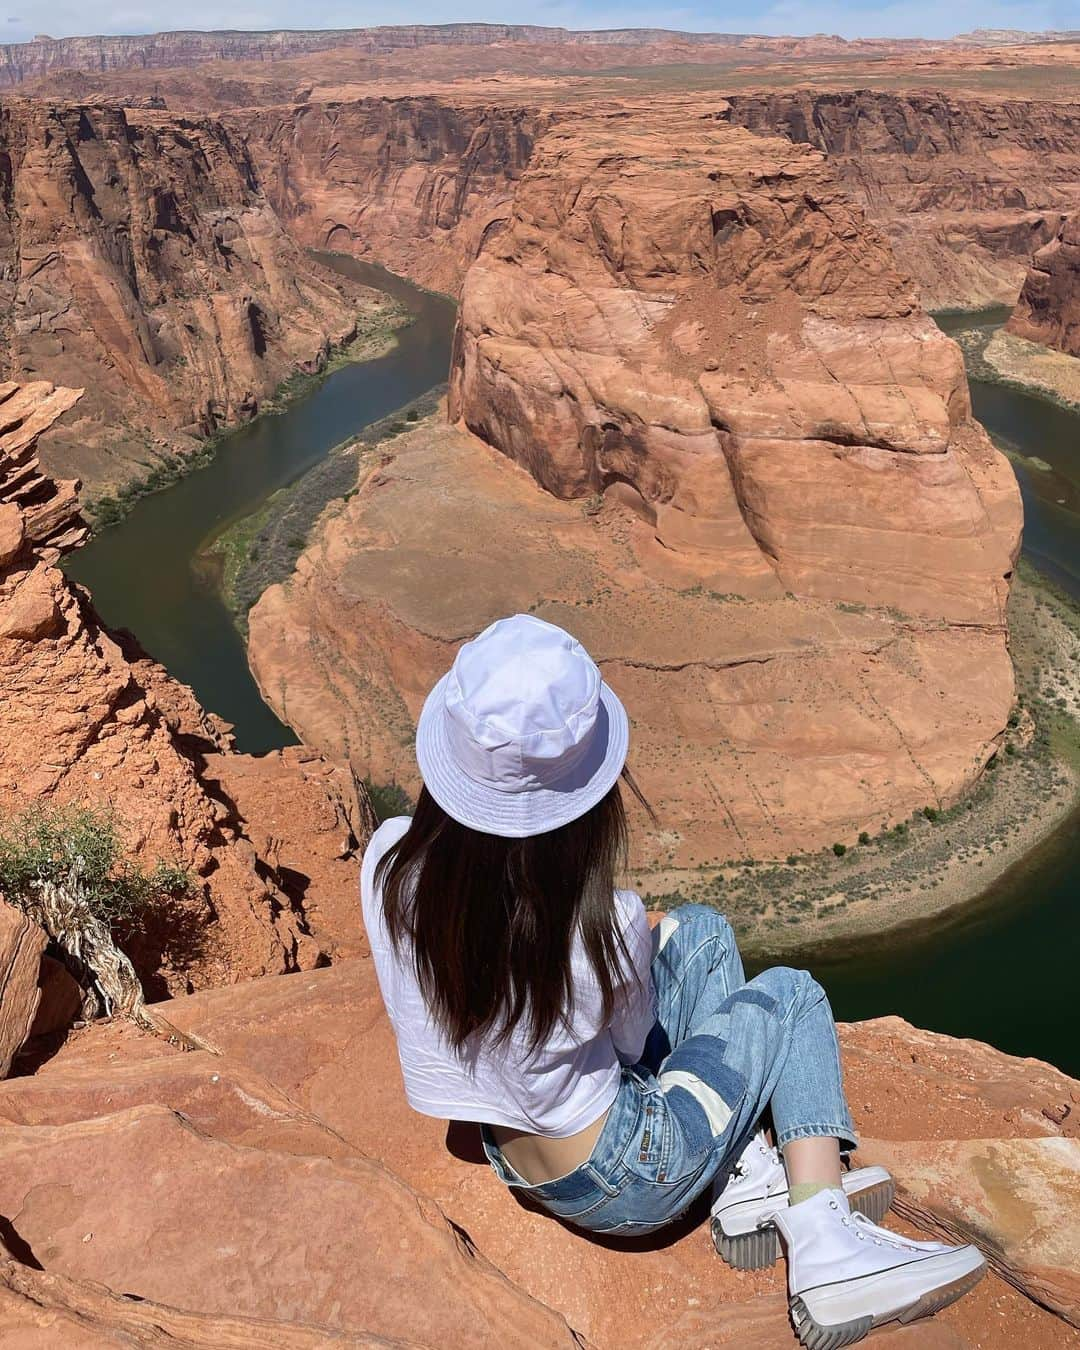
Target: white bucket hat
{"points": [[522, 735]]}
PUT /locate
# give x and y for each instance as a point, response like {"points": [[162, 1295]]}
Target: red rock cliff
{"points": [[1048, 310], [966, 188], [141, 260], [413, 182], [704, 316], [88, 718]]}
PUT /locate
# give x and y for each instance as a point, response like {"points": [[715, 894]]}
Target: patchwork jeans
{"points": [[722, 1051]]}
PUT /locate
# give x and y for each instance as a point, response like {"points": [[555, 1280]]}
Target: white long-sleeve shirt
{"points": [[556, 1090]]}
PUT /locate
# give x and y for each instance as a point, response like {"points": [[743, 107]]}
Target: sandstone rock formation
{"points": [[22, 945], [153, 250], [140, 260], [90, 719], [762, 723], [966, 188], [1048, 310], [415, 183], [704, 316], [372, 1221], [27, 61]]}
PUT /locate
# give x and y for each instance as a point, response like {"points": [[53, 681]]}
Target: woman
{"points": [[618, 1074]]}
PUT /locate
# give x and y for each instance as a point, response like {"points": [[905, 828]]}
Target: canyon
{"points": [[156, 257], [794, 555], [142, 263], [25, 62], [967, 189], [697, 414]]}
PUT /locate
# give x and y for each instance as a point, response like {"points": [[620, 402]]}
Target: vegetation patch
{"points": [[47, 845], [65, 868], [388, 800], [261, 549]]}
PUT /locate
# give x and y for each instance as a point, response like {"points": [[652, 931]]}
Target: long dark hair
{"points": [[491, 921]]}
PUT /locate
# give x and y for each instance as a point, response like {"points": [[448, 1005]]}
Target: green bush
{"points": [[931, 813], [48, 843], [839, 849], [388, 800], [864, 837]]}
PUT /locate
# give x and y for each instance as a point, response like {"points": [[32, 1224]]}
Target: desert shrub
{"points": [[839, 849], [931, 813], [50, 843], [388, 800], [864, 837]]}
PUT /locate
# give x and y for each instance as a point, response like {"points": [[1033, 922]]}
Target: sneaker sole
{"points": [[760, 1248], [815, 1336]]}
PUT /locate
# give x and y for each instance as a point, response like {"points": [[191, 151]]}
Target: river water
{"points": [[1002, 970], [143, 573]]}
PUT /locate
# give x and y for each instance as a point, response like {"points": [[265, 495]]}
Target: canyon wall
{"points": [[966, 188], [1048, 311], [142, 262], [164, 253], [89, 719], [415, 183], [26, 61]]}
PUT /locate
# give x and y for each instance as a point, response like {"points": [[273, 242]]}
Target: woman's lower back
{"points": [[537, 1158]]}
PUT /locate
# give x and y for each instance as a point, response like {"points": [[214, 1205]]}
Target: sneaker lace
{"points": [[865, 1230], [742, 1167]]}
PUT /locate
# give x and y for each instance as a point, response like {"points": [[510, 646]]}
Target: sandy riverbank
{"points": [[998, 357]]}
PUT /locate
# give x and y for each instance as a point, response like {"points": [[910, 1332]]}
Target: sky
{"points": [[849, 18]]}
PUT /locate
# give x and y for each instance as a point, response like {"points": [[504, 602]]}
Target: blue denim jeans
{"points": [[722, 1051]]}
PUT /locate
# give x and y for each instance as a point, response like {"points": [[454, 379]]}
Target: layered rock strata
{"points": [[24, 61], [264, 1156], [22, 945], [966, 188], [704, 317], [142, 261], [416, 183], [89, 719], [1048, 311]]}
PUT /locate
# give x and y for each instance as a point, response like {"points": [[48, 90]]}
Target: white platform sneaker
{"points": [[758, 1186], [846, 1275]]}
